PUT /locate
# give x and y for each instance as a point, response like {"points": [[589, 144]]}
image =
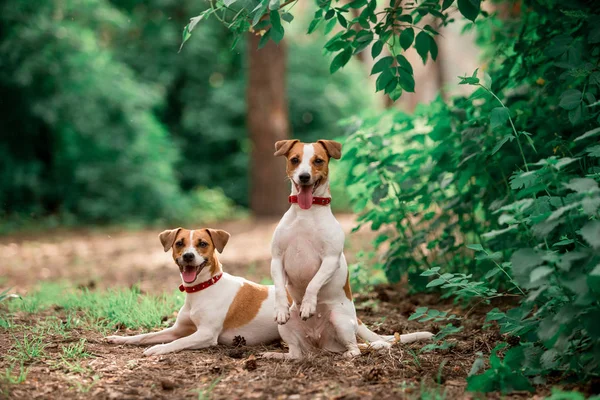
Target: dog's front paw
{"points": [[157, 350], [282, 315], [308, 308], [117, 339]]}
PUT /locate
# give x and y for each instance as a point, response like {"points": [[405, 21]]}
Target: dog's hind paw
{"points": [[352, 353]]}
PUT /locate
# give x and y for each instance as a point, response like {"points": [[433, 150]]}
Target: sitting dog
{"points": [[218, 306], [308, 260]]}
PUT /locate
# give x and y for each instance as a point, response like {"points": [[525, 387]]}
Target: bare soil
{"points": [[110, 259]]}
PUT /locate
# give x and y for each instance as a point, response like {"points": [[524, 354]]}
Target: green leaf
{"points": [[380, 192], [259, 11], [376, 49], [396, 93], [582, 185], [384, 79], [287, 17], [276, 30], [433, 48], [404, 64], [498, 117], [273, 4], [406, 80], [570, 99], [523, 262], [228, 3], [429, 272], [436, 282], [588, 134], [539, 273], [476, 247], [314, 25], [264, 39], [469, 8], [422, 44], [446, 4], [383, 64], [342, 20], [340, 60], [591, 233], [501, 143], [492, 272], [406, 38], [418, 313], [186, 35]]}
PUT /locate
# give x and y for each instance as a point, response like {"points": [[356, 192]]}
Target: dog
{"points": [[218, 306], [308, 263]]}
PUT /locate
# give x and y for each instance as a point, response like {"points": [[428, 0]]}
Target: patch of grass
{"points": [[5, 322], [85, 387], [73, 367], [28, 349], [105, 310], [75, 351], [13, 378], [432, 393], [5, 295], [50, 326]]}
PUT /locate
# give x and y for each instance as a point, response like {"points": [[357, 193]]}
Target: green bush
{"points": [[497, 194]]}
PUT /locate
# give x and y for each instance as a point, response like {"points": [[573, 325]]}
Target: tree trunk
{"points": [[267, 122]]}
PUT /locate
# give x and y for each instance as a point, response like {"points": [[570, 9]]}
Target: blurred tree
{"points": [[79, 135], [102, 120], [267, 122]]}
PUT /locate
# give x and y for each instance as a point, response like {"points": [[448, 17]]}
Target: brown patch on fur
{"points": [[289, 297], [283, 147], [320, 171], [333, 148], [245, 305], [359, 321], [347, 288], [167, 238], [219, 238], [295, 152]]}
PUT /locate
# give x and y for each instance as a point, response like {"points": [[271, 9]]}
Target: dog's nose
{"points": [[304, 178], [187, 257]]}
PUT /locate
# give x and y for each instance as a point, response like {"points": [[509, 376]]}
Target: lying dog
{"points": [[308, 260], [218, 306]]}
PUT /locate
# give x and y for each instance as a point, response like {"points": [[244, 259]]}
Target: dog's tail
{"points": [[370, 337]]}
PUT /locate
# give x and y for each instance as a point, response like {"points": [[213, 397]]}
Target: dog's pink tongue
{"points": [[305, 197], [189, 274]]}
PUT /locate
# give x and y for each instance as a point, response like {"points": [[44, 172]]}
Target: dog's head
{"points": [[308, 165], [194, 250]]}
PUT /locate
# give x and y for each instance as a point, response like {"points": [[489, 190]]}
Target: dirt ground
{"points": [[108, 259]]}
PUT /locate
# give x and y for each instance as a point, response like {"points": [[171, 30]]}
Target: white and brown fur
{"points": [[309, 263], [216, 315]]}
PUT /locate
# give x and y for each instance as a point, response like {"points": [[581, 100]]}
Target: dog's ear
{"points": [[219, 238], [167, 238], [333, 148], [283, 147]]}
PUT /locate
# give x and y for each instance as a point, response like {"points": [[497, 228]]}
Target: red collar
{"points": [[201, 285], [322, 201]]}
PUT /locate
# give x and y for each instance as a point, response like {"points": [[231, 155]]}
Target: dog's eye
{"points": [[318, 161], [179, 244], [202, 244], [295, 160]]}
